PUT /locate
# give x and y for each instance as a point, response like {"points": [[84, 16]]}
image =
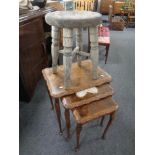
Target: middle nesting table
{"points": [[80, 77]]}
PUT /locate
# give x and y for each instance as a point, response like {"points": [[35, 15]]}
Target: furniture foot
{"points": [[112, 115]]}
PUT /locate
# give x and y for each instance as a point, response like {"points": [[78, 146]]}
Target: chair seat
{"points": [[72, 101], [103, 35], [94, 110], [73, 19]]}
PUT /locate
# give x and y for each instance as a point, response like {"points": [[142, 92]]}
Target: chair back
{"points": [[84, 5]]}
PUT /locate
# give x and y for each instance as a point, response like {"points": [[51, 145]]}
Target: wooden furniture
{"points": [[72, 101], [87, 5], [104, 39], [32, 51], [81, 79], [88, 112], [104, 8], [117, 23], [68, 20], [117, 5]]}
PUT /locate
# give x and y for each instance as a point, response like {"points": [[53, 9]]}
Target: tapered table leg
{"points": [[102, 119], [67, 118], [112, 115], [78, 131], [58, 113]]}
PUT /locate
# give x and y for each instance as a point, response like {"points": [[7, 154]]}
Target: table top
{"points": [[81, 78], [72, 101], [73, 19]]}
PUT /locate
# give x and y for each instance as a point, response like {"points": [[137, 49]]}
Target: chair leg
{"points": [[78, 130], [67, 118], [58, 113], [112, 115], [107, 52], [102, 119]]}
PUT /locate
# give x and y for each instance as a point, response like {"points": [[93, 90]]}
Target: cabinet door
{"points": [[33, 57], [105, 5]]}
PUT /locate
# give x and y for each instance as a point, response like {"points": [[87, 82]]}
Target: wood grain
{"points": [[72, 101], [94, 110], [80, 79]]}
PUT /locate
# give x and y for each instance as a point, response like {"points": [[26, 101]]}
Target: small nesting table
{"points": [[80, 78]]}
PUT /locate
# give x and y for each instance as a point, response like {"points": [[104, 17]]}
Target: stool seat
{"points": [[73, 19], [94, 110], [72, 101]]}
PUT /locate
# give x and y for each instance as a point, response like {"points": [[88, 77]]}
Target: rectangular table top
{"points": [[81, 78]]}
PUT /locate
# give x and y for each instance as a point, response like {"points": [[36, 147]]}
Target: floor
{"points": [[38, 125]]}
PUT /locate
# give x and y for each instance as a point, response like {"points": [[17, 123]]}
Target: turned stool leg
{"points": [[67, 55], [107, 51], [67, 118], [112, 115], [102, 119], [93, 31], [58, 113], [79, 43], [78, 130], [55, 47]]}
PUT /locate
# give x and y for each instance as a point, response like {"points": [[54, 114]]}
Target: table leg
{"points": [[67, 118], [78, 131], [112, 115], [58, 113]]}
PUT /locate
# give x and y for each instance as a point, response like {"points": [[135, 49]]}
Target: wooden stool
{"points": [[68, 20], [93, 111], [81, 79]]}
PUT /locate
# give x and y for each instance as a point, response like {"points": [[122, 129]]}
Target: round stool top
{"points": [[73, 19]]}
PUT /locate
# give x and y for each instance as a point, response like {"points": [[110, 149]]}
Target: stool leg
{"points": [[93, 31], [102, 119], [78, 130], [112, 115], [107, 51], [58, 113], [67, 118], [55, 34], [67, 55], [79, 44]]}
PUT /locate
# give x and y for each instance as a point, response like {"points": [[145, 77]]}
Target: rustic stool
{"points": [[93, 111], [72, 101], [68, 20]]}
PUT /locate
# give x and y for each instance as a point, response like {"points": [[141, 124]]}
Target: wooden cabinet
{"points": [[104, 6], [32, 55]]}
